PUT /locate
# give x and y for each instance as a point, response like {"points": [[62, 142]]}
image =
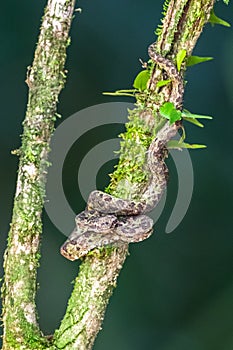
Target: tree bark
{"points": [[45, 80], [182, 25]]}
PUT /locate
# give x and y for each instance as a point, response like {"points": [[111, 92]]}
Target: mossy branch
{"points": [[45, 80], [182, 25]]}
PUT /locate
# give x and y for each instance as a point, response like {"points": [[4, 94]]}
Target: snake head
{"points": [[72, 251]]}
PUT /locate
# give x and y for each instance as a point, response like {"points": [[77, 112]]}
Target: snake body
{"points": [[176, 96], [111, 220]]}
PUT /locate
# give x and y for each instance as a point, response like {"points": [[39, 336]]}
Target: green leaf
{"points": [[180, 58], [192, 60], [130, 92], [168, 111], [216, 20], [140, 82], [194, 121], [192, 118], [183, 136], [187, 114], [161, 83], [226, 2], [175, 144]]}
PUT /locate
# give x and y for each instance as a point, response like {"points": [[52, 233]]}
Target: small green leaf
{"points": [[175, 144], [192, 118], [180, 58], [216, 20], [168, 111], [194, 121], [130, 92], [183, 136], [187, 114], [192, 60], [226, 2], [161, 83], [140, 82]]}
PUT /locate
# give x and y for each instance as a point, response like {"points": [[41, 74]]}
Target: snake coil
{"points": [[111, 220]]}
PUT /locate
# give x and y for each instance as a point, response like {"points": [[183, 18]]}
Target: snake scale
{"points": [[110, 220]]}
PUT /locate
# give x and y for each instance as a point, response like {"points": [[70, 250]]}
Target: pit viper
{"points": [[110, 220]]}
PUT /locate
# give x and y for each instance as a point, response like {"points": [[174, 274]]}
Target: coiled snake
{"points": [[111, 220]]}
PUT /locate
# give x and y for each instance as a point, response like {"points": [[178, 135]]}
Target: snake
{"points": [[109, 220]]}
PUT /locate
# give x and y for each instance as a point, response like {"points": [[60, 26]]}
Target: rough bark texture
{"points": [[182, 25], [45, 80], [89, 299]]}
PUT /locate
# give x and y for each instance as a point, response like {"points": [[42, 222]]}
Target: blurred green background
{"points": [[175, 291]]}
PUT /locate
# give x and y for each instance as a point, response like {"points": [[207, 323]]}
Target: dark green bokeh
{"points": [[175, 291]]}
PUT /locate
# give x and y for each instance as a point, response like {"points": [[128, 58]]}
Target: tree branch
{"points": [[45, 79], [92, 290], [182, 26]]}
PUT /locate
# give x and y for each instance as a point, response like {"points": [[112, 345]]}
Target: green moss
{"points": [[196, 15], [130, 174], [159, 28], [32, 338], [102, 252], [45, 80]]}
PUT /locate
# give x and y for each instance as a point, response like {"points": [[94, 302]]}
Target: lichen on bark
{"points": [[182, 25], [123, 184], [45, 80]]}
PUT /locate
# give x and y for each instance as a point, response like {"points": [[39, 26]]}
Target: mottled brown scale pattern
{"points": [[177, 82], [109, 220]]}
